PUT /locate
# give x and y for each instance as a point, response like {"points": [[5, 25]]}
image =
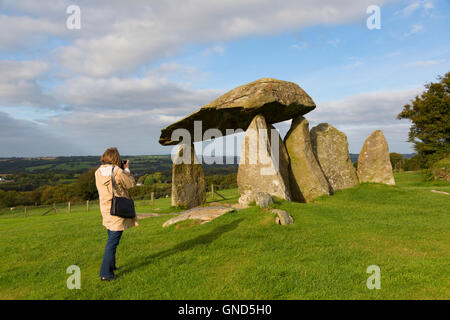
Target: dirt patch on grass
{"points": [[13, 294]]}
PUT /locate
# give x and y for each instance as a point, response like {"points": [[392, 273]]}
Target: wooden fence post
{"points": [[212, 191], [152, 198], [87, 205], [68, 207], [25, 212], [54, 207]]}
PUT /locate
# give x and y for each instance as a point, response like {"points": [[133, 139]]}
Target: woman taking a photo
{"points": [[113, 167]]}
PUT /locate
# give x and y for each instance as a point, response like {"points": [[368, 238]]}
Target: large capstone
{"points": [[330, 146], [264, 162], [275, 100], [374, 164], [307, 180], [188, 179]]}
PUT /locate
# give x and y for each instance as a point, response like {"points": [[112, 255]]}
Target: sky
{"points": [[133, 67]]}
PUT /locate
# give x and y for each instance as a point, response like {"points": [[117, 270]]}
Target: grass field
{"points": [[403, 229]]}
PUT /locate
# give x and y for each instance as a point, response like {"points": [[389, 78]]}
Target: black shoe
{"points": [[108, 278], [117, 268]]}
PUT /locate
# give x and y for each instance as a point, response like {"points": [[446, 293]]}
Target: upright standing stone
{"points": [[307, 179], [188, 179], [374, 164], [330, 146], [441, 169], [264, 162]]}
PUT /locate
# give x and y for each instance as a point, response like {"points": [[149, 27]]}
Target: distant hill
{"points": [[139, 164], [354, 156], [26, 174], [78, 164]]}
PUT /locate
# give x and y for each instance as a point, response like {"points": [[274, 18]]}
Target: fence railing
{"points": [[33, 210], [77, 206]]}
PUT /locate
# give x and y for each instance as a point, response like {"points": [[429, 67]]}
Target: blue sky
{"points": [[135, 67]]}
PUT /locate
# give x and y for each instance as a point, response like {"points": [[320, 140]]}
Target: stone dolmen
{"points": [[306, 165]]}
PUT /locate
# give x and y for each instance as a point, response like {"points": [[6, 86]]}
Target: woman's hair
{"points": [[112, 156]]}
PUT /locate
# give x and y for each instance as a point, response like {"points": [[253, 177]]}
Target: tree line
{"points": [[84, 188]]}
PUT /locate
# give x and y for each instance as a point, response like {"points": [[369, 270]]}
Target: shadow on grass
{"points": [[186, 245]]}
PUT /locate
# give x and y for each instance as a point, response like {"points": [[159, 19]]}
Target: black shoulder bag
{"points": [[121, 206]]}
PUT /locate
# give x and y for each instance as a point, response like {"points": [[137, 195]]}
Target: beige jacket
{"points": [[123, 181]]}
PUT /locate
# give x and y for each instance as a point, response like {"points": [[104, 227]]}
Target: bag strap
{"points": [[112, 181]]}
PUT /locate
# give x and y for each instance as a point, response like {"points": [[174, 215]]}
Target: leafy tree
{"points": [[141, 179], [396, 160], [222, 181], [86, 187], [430, 115], [9, 198]]}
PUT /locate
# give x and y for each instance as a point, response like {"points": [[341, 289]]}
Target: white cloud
{"points": [[26, 138], [378, 107], [409, 9], [425, 63], [18, 86], [359, 115], [414, 29], [23, 70], [428, 5], [151, 92], [396, 136], [112, 92], [334, 42], [214, 50], [300, 46], [393, 54], [131, 131], [354, 63], [96, 109], [415, 6], [20, 32], [139, 36], [169, 70], [369, 109], [94, 129]]}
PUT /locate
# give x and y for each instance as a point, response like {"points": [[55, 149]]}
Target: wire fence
{"points": [[67, 207], [48, 209], [86, 206]]}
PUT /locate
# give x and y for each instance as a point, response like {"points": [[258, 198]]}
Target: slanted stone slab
{"points": [[330, 146], [307, 180], [205, 214], [188, 179], [151, 215], [275, 100], [264, 162], [441, 192], [235, 206], [441, 169], [374, 164]]}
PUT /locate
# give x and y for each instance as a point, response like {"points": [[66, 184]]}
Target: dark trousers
{"points": [[109, 258]]}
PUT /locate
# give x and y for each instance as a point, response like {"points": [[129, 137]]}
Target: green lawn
{"points": [[403, 229]]}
